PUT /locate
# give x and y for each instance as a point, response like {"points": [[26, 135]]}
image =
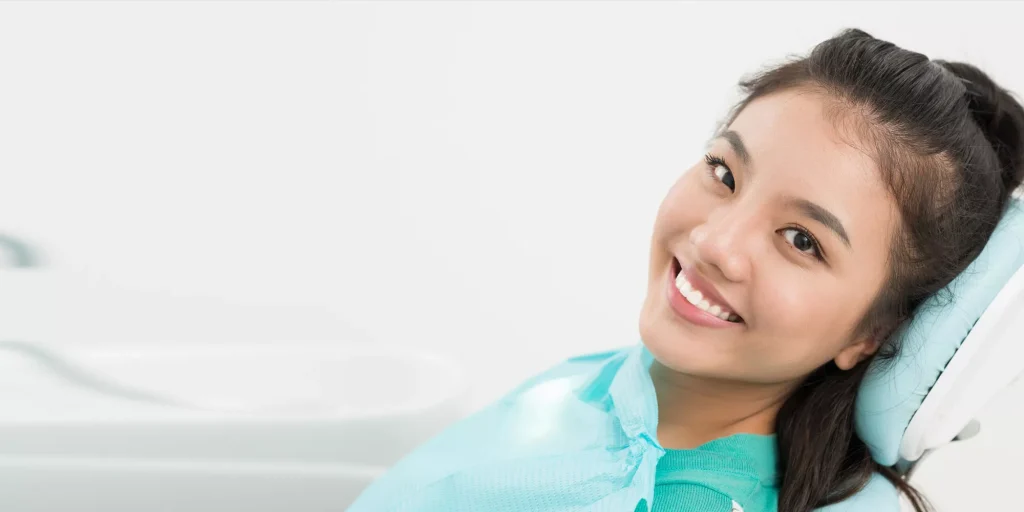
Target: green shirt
{"points": [[734, 473]]}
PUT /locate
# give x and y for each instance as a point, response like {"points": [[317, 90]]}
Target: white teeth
{"points": [[696, 298], [683, 284]]}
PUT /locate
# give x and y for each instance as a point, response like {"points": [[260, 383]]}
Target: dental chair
{"points": [[958, 352]]}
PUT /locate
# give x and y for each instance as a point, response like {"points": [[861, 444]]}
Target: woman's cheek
{"points": [[784, 307], [679, 212]]}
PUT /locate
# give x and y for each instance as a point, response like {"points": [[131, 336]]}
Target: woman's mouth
{"points": [[694, 302]]}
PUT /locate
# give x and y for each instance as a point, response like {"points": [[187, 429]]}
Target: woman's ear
{"points": [[856, 352]]}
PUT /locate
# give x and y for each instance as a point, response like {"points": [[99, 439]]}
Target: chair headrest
{"points": [[943, 346]]}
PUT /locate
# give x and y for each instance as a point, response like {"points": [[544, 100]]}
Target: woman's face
{"points": [[784, 231]]}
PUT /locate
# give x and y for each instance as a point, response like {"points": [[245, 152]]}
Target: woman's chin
{"points": [[678, 352]]}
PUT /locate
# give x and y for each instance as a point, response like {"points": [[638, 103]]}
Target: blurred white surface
{"points": [[282, 416], [102, 485], [473, 179]]}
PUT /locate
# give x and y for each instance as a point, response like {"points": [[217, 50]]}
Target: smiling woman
{"points": [[786, 225], [763, 228], [844, 190]]}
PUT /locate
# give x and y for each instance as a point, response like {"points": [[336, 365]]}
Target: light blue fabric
{"points": [[891, 395], [579, 437], [878, 496]]}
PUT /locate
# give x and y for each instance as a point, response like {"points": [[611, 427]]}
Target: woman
{"points": [[846, 188]]}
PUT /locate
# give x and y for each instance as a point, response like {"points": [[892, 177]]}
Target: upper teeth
{"points": [[697, 298]]}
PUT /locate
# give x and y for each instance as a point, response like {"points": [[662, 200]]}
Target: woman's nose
{"points": [[725, 244]]}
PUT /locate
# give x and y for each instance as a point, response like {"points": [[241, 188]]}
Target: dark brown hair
{"points": [[949, 144]]}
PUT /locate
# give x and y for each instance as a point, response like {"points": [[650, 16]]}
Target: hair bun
{"points": [[1000, 117]]}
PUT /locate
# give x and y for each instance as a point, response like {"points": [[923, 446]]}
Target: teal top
{"points": [[732, 474]]}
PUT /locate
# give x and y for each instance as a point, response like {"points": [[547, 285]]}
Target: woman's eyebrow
{"points": [[737, 144], [823, 216]]}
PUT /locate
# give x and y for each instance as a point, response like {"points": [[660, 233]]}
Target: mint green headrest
{"points": [[892, 394]]}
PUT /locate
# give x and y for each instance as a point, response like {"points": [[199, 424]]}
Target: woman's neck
{"points": [[695, 410]]}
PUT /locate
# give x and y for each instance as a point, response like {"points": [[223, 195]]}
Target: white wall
{"points": [[477, 178]]}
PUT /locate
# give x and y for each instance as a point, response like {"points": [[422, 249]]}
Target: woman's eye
{"points": [[801, 241], [725, 176], [719, 171]]}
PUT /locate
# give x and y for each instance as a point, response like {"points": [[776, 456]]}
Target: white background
{"points": [[478, 179]]}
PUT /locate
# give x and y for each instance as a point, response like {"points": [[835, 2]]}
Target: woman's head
{"points": [[846, 188], [789, 223]]}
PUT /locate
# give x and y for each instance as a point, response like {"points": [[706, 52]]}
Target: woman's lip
{"points": [[694, 315]]}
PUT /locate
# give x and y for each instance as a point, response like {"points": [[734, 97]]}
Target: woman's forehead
{"points": [[802, 125]]}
